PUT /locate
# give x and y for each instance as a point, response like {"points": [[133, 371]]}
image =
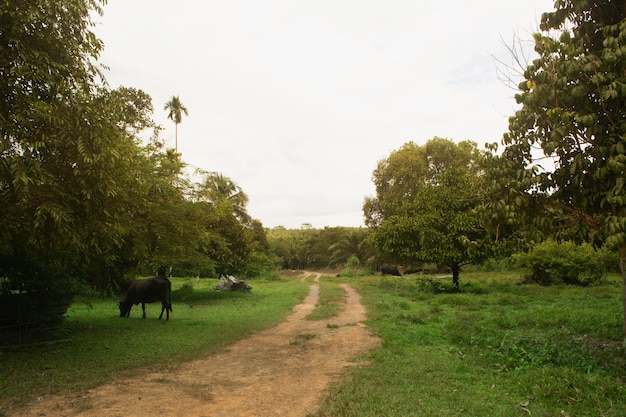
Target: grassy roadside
{"points": [[495, 349], [100, 344]]}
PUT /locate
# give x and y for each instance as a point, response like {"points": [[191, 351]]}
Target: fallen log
{"points": [[230, 283]]}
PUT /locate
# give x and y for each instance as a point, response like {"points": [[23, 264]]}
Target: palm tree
{"points": [[218, 189], [176, 110], [354, 243]]}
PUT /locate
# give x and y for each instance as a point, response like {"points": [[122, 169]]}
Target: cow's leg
{"points": [[162, 309], [143, 307]]}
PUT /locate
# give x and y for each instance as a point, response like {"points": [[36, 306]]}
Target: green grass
{"points": [[494, 349], [329, 304], [99, 344]]}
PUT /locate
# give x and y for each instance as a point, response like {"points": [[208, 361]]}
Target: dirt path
{"points": [[281, 371]]}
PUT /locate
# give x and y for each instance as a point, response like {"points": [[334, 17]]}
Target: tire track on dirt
{"points": [[280, 371]]}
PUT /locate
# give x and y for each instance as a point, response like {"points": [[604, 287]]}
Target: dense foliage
{"points": [[423, 208], [551, 263], [85, 199], [331, 247], [564, 163]]}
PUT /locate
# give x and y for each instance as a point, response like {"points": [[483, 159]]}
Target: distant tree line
{"points": [[330, 247]]}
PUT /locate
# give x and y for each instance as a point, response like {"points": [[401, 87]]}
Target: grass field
{"points": [[494, 349], [99, 343]]}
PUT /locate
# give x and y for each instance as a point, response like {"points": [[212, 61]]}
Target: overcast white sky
{"points": [[297, 100]]}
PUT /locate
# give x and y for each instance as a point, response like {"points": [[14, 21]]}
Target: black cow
{"points": [[147, 291], [390, 270]]}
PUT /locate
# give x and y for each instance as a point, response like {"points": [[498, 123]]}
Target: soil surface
{"points": [[281, 371]]}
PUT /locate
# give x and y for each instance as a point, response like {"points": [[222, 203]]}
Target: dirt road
{"points": [[281, 371]]}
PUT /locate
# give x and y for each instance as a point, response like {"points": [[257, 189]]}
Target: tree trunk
{"points": [[622, 267], [176, 149], [456, 270]]}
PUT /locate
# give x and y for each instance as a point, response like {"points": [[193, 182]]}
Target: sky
{"points": [[296, 101]]}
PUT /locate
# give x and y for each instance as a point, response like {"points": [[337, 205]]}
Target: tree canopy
{"points": [[422, 211], [62, 148], [84, 197], [565, 151], [219, 190]]}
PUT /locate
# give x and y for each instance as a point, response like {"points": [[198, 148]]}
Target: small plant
{"points": [[302, 337], [497, 265], [433, 285], [353, 269], [324, 312]]}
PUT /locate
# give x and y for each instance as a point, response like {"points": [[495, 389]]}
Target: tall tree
{"points": [[573, 113], [62, 149], [423, 209], [75, 182], [176, 110]]}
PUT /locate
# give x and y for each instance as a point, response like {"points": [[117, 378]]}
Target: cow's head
{"points": [[124, 308]]}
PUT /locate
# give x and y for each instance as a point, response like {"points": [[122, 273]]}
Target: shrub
{"points": [[353, 268], [496, 265], [562, 263], [434, 285], [609, 259], [260, 265]]}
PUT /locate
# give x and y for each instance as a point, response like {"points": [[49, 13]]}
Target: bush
{"points": [[553, 262], [497, 265], [434, 285], [260, 265], [353, 268]]}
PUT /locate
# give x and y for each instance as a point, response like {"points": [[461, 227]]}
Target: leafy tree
{"points": [[423, 209], [118, 167], [82, 198], [573, 114], [287, 245], [224, 240], [64, 150], [163, 229], [176, 110], [261, 260]]}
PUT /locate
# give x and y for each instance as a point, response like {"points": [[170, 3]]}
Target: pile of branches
{"points": [[230, 283]]}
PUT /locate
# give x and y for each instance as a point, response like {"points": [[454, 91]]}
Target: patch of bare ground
{"points": [[281, 371]]}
